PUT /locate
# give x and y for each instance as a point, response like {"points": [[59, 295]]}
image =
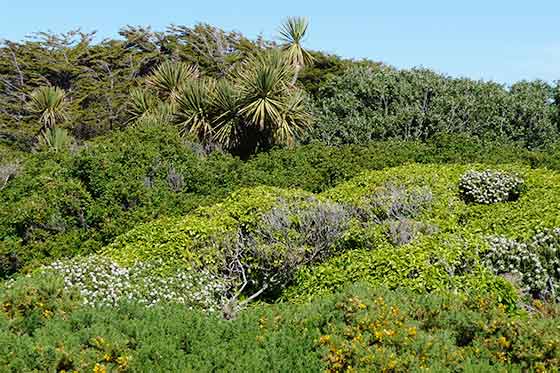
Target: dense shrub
{"points": [[489, 186], [65, 204], [273, 232], [194, 238], [430, 264], [444, 256], [534, 265], [372, 102], [288, 237], [29, 302], [535, 209], [401, 331], [362, 328], [102, 282]]}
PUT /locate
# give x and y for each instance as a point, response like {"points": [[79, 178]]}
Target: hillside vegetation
{"points": [[192, 200]]}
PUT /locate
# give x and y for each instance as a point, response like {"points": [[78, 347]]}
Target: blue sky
{"points": [[498, 40]]}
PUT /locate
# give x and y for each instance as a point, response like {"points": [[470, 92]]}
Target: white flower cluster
{"points": [[489, 186], [102, 282], [536, 264]]}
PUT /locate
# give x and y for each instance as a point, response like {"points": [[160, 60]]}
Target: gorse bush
{"points": [[490, 186], [361, 328], [29, 302]]}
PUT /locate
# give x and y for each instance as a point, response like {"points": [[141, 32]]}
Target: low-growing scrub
{"points": [[63, 204], [362, 328]]}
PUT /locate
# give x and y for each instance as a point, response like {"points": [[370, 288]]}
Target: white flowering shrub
{"points": [[489, 186], [102, 282], [536, 264]]}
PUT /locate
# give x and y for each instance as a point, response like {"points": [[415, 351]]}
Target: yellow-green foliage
{"points": [[446, 259], [537, 207], [192, 238], [444, 256]]}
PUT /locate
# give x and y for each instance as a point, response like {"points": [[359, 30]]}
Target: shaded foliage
{"points": [[370, 102]]}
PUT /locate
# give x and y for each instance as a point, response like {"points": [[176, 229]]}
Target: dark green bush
{"points": [[371, 102], [362, 328], [65, 204]]}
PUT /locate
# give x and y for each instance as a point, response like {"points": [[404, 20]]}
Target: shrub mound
{"points": [[448, 256], [490, 187], [406, 226], [360, 328], [194, 238]]}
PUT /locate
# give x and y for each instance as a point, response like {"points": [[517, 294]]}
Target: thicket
{"points": [[353, 102], [130, 229], [372, 102], [360, 328], [75, 202]]}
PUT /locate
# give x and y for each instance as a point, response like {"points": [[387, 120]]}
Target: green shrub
{"points": [[67, 204], [378, 330], [370, 102], [445, 256], [194, 238], [361, 328], [535, 209], [29, 302], [429, 264], [147, 172]]}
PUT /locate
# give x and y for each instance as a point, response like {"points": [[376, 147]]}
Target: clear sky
{"points": [[482, 39]]}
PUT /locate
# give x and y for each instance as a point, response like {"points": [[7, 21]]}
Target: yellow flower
{"points": [[107, 357], [502, 341], [99, 368], [412, 331], [324, 339], [389, 332], [122, 361]]}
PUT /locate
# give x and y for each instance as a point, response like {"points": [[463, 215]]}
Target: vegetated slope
{"points": [[406, 226], [457, 232], [362, 328], [406, 229], [70, 202]]}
